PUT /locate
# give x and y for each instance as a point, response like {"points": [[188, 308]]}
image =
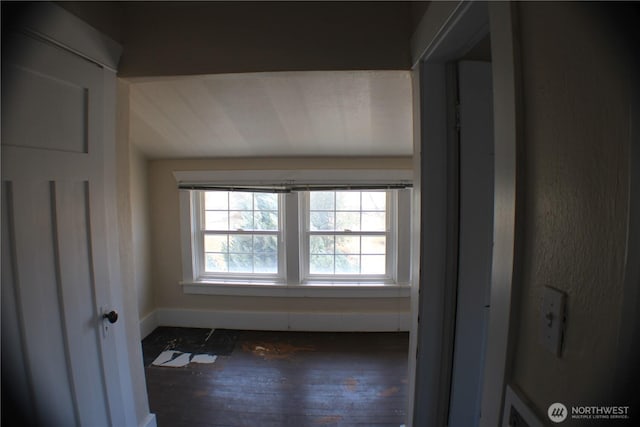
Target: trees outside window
{"points": [[331, 237], [241, 232], [347, 232]]}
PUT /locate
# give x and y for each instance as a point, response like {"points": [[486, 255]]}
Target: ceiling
{"points": [[264, 78], [171, 38], [302, 113]]}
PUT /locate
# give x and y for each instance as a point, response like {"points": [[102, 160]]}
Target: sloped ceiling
{"points": [[311, 113], [247, 78]]}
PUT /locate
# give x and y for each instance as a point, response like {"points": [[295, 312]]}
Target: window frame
{"points": [[292, 282], [199, 231], [390, 233]]}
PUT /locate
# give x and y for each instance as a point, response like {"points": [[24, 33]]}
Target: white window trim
{"points": [[336, 290], [197, 246], [397, 286], [388, 278]]}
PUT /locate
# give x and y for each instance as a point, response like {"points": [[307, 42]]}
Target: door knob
{"points": [[111, 316]]}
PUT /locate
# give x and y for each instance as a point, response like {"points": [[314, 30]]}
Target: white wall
{"points": [[139, 196], [166, 267], [129, 249], [576, 85]]}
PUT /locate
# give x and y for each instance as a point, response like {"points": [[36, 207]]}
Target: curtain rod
{"points": [[292, 188]]}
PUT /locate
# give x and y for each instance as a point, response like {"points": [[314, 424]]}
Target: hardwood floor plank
{"points": [[286, 379]]}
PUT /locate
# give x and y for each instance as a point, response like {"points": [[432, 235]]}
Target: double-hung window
{"points": [[346, 235], [292, 234], [239, 234]]}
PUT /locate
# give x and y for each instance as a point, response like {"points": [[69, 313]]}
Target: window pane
{"points": [[321, 200], [347, 244], [216, 200], [374, 245], [241, 220], [348, 213], [226, 250], [374, 201], [374, 221], [265, 244], [321, 244], [348, 221], [216, 220], [265, 220], [265, 202], [347, 200], [321, 264], [240, 201], [265, 263], [321, 221], [240, 263], [347, 264], [216, 263], [241, 244], [215, 243], [373, 264]]}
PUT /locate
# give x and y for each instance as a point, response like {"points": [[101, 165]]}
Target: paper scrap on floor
{"points": [[178, 359]]}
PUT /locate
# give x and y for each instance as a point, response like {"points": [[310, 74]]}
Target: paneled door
{"points": [[59, 365]]}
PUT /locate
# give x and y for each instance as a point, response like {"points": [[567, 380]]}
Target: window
{"points": [[239, 234], [346, 234], [294, 235]]}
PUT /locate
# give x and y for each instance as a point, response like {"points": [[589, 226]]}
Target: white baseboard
{"points": [[149, 421], [148, 324], [277, 321]]}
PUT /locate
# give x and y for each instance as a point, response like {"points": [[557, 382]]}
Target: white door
{"points": [[58, 352], [475, 241]]}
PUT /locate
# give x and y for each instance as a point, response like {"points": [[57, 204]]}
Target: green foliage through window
{"points": [[241, 232], [347, 232]]}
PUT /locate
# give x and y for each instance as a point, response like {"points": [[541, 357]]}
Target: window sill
{"points": [[320, 290]]}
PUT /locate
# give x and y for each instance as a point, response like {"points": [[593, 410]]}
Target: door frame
{"points": [[460, 28], [629, 348], [475, 195]]}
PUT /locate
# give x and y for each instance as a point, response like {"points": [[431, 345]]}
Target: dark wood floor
{"points": [[288, 379]]}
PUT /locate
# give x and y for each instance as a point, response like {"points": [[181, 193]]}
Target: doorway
{"points": [[440, 223]]}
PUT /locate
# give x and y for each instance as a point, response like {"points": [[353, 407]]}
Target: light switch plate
{"points": [[552, 319]]}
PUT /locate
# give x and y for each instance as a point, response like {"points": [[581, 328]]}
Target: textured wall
{"points": [[166, 251], [576, 104]]}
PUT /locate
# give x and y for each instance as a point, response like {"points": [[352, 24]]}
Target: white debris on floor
{"points": [[203, 358], [164, 357], [178, 359]]}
